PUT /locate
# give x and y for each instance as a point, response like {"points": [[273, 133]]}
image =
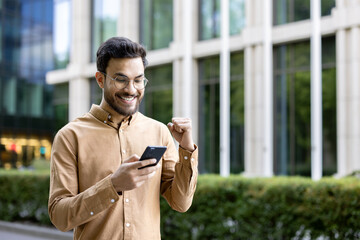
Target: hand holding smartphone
{"points": [[153, 152]]}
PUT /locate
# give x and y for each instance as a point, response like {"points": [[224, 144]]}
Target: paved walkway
{"points": [[18, 231]]}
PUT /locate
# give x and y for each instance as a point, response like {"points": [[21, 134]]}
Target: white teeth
{"points": [[127, 98]]}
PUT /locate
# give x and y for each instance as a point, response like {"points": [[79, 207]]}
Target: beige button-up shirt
{"points": [[84, 155]]}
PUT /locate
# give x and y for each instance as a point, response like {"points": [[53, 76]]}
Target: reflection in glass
{"points": [[286, 11], [156, 23], [292, 108], [237, 16], [62, 32], [104, 21], [157, 102], [327, 6], [209, 115], [209, 19], [237, 112]]}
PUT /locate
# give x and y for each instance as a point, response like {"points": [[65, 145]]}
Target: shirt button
{"points": [[192, 159], [185, 157], [91, 213], [112, 200], [123, 151], [128, 224], [104, 121], [121, 130], [109, 116], [127, 200]]}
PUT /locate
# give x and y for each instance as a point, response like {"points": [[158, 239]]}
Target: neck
{"points": [[115, 116]]}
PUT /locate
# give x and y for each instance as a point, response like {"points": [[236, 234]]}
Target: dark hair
{"points": [[118, 47]]}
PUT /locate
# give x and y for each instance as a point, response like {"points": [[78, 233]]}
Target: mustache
{"points": [[126, 95]]}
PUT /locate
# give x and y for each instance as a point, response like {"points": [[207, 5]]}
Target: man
{"points": [[96, 185]]}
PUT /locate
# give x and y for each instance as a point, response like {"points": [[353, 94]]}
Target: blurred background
{"points": [[241, 69]]}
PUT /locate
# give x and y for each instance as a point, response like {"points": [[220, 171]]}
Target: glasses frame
{"points": [[146, 81]]}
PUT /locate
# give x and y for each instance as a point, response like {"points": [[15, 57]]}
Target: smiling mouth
{"points": [[128, 99]]}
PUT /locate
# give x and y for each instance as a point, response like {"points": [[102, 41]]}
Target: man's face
{"points": [[124, 101]]}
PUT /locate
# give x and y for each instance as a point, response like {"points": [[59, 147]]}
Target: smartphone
{"points": [[153, 152]]}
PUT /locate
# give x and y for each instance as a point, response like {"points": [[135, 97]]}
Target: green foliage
{"points": [[224, 208], [267, 208], [24, 196]]}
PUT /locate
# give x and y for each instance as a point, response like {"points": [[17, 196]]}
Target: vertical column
{"points": [[316, 93], [128, 21], [249, 123], [224, 91], [355, 96], [79, 86], [341, 103], [186, 81], [268, 99]]}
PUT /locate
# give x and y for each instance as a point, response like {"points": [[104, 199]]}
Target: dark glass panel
{"points": [[158, 102], [156, 23], [327, 6], [237, 112], [292, 108], [209, 115]]}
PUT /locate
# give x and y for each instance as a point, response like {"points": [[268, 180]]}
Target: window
{"points": [[209, 19], [329, 105], [156, 23], [61, 104], [95, 92], [286, 11], [62, 32], [104, 21], [237, 112], [327, 6], [157, 101], [292, 146], [209, 114], [237, 16]]}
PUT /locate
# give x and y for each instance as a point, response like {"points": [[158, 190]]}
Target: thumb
{"points": [[170, 126], [132, 158]]}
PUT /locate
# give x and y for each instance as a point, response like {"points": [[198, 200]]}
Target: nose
{"points": [[130, 88]]}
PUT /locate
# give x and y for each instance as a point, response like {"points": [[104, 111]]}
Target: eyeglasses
{"points": [[122, 82]]}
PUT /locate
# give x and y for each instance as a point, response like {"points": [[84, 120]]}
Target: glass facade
{"points": [[26, 112], [157, 102], [292, 108], [286, 11], [209, 19], [209, 114], [104, 21], [237, 19], [210, 16], [237, 99], [156, 23]]}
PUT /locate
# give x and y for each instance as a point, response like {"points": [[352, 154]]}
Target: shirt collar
{"points": [[105, 117]]}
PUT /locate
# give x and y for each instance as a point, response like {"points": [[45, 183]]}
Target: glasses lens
{"points": [[122, 83]]}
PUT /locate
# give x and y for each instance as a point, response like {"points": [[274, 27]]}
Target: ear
{"points": [[100, 79]]}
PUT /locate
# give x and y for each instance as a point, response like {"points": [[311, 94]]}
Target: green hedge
{"points": [[225, 208], [24, 196], [268, 208]]}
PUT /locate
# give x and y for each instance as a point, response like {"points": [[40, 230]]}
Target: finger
{"points": [[132, 158], [144, 163], [148, 170], [170, 126]]}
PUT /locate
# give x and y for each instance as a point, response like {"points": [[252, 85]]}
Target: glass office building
{"points": [[27, 122], [186, 51]]}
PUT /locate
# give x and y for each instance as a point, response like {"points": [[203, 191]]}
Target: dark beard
{"points": [[120, 110]]}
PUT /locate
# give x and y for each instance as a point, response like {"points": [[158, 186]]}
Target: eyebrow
{"points": [[123, 75]]}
